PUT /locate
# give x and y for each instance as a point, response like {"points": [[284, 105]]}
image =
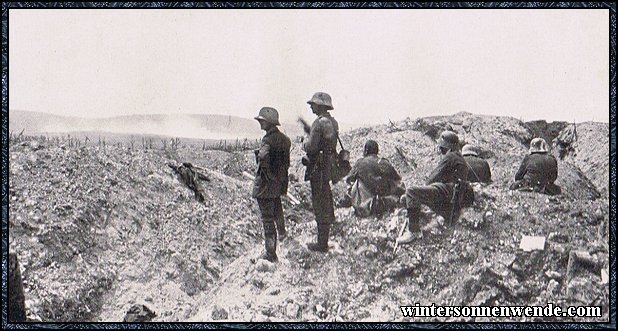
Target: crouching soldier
{"points": [[478, 171], [271, 179], [538, 170], [375, 184], [446, 192]]}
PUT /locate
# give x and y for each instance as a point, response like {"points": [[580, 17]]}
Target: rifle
{"points": [[305, 159], [306, 126], [405, 225], [292, 199], [454, 201]]}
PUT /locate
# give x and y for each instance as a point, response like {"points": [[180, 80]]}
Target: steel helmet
{"points": [[538, 145], [449, 140], [269, 115], [371, 147], [469, 150], [322, 99]]}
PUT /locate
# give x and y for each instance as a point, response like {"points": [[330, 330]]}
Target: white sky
{"points": [[376, 64]]}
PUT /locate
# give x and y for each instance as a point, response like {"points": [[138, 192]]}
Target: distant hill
{"points": [[177, 125]]}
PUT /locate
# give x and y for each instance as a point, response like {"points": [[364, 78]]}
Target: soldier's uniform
{"points": [[538, 171], [271, 182], [479, 170], [375, 185], [438, 193], [320, 147]]}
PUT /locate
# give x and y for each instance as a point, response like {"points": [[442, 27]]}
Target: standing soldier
{"points": [[320, 147], [271, 179]]}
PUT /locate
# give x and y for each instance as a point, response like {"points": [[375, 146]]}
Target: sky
{"points": [[378, 65]]}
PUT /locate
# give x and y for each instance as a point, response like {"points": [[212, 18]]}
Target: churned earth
{"points": [[99, 230]]}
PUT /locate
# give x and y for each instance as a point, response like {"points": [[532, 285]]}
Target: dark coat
{"points": [[538, 169], [479, 171], [323, 135], [376, 173], [537, 172], [450, 170], [273, 162], [321, 146], [440, 189]]}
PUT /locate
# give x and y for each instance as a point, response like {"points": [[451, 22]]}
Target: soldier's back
{"points": [[479, 169], [542, 168]]}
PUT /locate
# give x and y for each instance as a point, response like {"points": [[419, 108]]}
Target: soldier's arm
{"points": [[488, 169], [554, 173], [288, 147], [262, 155], [353, 175], [389, 170], [522, 168], [201, 176], [312, 144]]}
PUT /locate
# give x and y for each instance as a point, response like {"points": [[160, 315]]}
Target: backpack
{"points": [[341, 164]]}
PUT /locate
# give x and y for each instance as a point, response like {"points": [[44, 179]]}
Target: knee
{"points": [[412, 200]]}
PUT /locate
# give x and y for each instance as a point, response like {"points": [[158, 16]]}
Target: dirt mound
{"points": [[586, 146], [100, 231], [100, 221]]}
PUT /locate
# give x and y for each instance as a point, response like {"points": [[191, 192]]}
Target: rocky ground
{"points": [[100, 230]]}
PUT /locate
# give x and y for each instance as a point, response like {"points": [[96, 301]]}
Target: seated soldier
{"points": [[538, 170], [446, 191], [478, 170], [375, 184]]}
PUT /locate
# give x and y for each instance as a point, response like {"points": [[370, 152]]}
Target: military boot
{"points": [[322, 244], [270, 243], [414, 228]]}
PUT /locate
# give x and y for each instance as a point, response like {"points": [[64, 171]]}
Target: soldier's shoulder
{"points": [[325, 120], [285, 138], [384, 161], [267, 138], [315, 124], [551, 158], [334, 123], [277, 138]]}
